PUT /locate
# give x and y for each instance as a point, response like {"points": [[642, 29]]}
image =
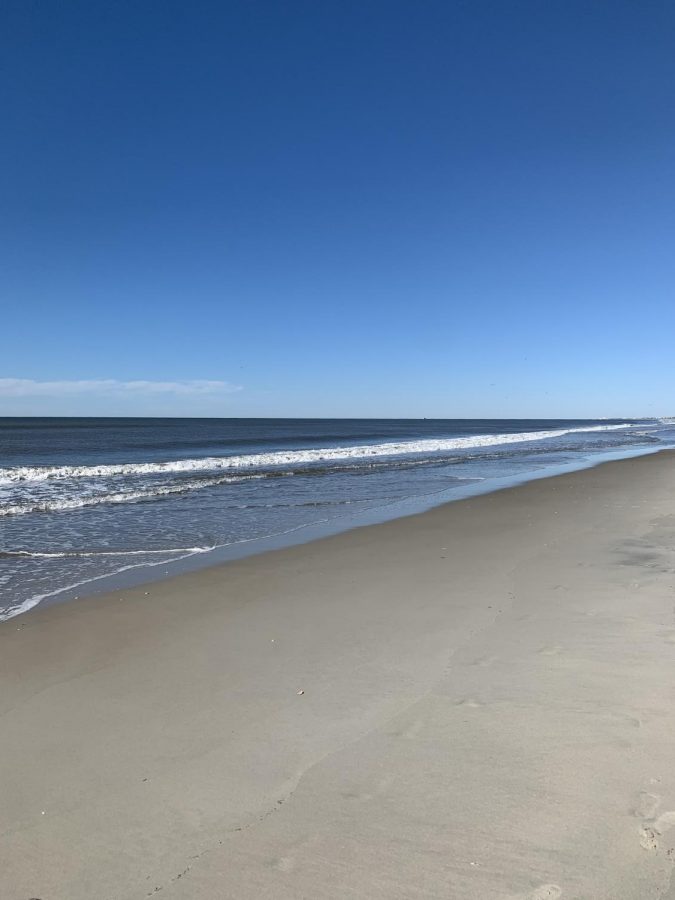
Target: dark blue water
{"points": [[86, 498]]}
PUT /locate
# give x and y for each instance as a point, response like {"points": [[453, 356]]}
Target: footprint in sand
{"points": [[648, 839], [283, 863], [545, 892], [633, 721], [484, 661], [381, 787], [664, 822], [407, 730], [646, 806], [650, 832]]}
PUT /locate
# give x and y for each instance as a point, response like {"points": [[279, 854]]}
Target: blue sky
{"points": [[337, 208]]}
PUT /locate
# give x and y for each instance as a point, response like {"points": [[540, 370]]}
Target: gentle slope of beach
{"points": [[472, 703], [86, 500]]}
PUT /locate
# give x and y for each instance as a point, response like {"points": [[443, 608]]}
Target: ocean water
{"points": [[83, 500]]}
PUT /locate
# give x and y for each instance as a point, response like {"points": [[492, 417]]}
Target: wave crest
{"points": [[62, 504], [16, 474]]}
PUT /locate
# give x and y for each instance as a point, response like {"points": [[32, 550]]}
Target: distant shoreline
{"points": [[150, 575]]}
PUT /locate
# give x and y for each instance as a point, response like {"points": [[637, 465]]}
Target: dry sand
{"points": [[476, 702]]}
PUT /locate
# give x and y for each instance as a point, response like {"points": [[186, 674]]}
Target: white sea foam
{"points": [[287, 457], [36, 599], [61, 504], [39, 554], [183, 553], [31, 602]]}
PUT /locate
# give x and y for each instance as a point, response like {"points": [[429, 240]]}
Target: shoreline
{"points": [[145, 574], [471, 702]]}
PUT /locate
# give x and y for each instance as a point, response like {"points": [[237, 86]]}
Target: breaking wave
{"points": [[286, 457], [61, 504]]}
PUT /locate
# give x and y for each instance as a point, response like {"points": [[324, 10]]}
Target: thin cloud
{"points": [[28, 387]]}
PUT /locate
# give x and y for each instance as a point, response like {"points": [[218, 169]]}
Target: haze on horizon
{"points": [[338, 209]]}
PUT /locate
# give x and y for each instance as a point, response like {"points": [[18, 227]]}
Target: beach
{"points": [[90, 502], [471, 703]]}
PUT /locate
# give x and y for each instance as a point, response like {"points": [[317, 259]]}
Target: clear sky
{"points": [[339, 208]]}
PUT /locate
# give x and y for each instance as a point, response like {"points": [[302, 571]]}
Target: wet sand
{"points": [[472, 703]]}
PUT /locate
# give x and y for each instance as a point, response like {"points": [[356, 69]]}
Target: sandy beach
{"points": [[471, 703]]}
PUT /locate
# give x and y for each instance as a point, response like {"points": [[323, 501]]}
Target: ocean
{"points": [[86, 502]]}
